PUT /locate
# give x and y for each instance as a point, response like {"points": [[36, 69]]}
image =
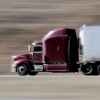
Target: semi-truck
{"points": [[62, 50]]}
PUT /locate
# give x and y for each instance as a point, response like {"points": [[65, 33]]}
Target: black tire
{"points": [[32, 73], [22, 69], [87, 69], [98, 69]]}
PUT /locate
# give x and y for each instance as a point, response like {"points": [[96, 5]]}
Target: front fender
{"points": [[21, 61], [15, 64]]}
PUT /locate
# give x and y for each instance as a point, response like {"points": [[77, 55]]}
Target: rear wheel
{"points": [[87, 69], [22, 69]]}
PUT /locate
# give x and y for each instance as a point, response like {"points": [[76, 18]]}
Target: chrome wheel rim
{"points": [[21, 69], [89, 69]]}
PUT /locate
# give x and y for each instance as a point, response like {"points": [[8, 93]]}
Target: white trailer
{"points": [[90, 46]]}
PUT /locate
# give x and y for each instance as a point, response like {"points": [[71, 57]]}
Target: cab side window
{"points": [[37, 49]]}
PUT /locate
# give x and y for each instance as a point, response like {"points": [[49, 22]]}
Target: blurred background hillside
{"points": [[22, 21]]}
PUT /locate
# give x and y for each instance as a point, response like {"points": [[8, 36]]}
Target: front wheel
{"points": [[22, 69]]}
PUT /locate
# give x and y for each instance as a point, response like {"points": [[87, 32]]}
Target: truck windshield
{"points": [[37, 49]]}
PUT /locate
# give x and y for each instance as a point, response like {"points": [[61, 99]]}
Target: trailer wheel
{"points": [[98, 69], [22, 69], [87, 69]]}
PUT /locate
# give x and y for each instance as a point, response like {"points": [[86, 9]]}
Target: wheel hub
{"points": [[21, 69]]}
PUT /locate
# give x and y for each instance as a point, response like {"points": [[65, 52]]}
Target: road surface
{"points": [[50, 87]]}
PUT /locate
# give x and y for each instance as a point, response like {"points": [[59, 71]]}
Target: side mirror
{"points": [[29, 48]]}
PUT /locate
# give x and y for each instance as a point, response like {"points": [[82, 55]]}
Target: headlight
{"points": [[13, 57]]}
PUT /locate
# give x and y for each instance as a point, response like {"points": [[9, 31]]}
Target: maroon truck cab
{"points": [[60, 50], [57, 52]]}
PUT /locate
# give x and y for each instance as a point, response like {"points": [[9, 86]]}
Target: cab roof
{"points": [[57, 33]]}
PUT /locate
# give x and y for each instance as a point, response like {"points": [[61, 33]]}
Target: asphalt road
{"points": [[50, 87]]}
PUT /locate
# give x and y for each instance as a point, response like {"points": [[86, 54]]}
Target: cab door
{"points": [[56, 52], [37, 54]]}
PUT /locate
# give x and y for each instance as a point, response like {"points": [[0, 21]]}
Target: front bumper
{"points": [[13, 67]]}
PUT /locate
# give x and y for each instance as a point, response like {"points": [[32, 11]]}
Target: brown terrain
{"points": [[22, 21]]}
